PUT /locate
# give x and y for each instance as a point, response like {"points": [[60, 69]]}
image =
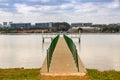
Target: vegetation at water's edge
{"points": [[19, 74], [33, 74], [103, 75]]}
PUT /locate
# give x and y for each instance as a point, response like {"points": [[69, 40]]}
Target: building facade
{"points": [[20, 25], [10, 24], [5, 24], [44, 25], [81, 24]]}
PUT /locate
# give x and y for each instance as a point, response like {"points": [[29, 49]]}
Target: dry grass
{"points": [[33, 74], [19, 74], [103, 75]]}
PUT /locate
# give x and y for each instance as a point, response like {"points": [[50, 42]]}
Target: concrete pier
{"points": [[63, 64]]}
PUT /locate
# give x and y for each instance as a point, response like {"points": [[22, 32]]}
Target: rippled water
{"points": [[98, 51]]}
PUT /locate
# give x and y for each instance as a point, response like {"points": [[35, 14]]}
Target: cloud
{"points": [[4, 4], [47, 8], [86, 7], [71, 11], [66, 6], [5, 16], [43, 1], [3, 0], [23, 8], [74, 1], [114, 4]]}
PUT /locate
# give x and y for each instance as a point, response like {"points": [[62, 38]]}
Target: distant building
{"points": [[5, 24], [20, 25], [85, 29], [9, 24], [90, 29], [0, 25], [81, 24], [44, 25], [114, 24]]}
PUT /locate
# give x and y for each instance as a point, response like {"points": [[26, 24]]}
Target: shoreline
{"points": [[58, 33], [40, 68], [34, 74]]}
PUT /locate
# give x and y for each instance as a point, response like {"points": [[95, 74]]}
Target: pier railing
{"points": [[52, 35], [51, 50], [73, 50]]}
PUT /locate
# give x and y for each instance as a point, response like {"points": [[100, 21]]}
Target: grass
{"points": [[33, 74], [19, 74], [103, 75]]}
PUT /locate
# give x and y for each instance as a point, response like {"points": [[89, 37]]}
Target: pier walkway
{"points": [[62, 63]]}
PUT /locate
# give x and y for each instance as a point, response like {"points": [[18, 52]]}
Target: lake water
{"points": [[97, 51]]}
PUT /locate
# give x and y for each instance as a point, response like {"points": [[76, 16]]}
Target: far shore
{"points": [[57, 33]]}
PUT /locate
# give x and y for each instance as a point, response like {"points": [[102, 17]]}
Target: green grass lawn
{"points": [[19, 74], [103, 75], [33, 74]]}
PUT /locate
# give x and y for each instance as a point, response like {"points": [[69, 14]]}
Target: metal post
{"points": [[51, 38], [48, 60], [42, 34], [43, 40], [79, 36], [42, 37]]}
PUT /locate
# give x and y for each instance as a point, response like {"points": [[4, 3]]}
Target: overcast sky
{"points": [[95, 11]]}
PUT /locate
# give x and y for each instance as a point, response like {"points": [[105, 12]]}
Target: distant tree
{"points": [[80, 29], [63, 26], [104, 29], [110, 29], [116, 29]]}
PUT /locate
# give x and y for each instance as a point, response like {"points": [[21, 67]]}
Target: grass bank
{"points": [[103, 75], [19, 74], [33, 74]]}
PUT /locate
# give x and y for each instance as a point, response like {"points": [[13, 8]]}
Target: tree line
{"points": [[103, 29]]}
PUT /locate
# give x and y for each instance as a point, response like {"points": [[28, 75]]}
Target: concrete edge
{"points": [[63, 74]]}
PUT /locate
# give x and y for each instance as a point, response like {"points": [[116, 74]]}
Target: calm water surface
{"points": [[98, 51]]}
